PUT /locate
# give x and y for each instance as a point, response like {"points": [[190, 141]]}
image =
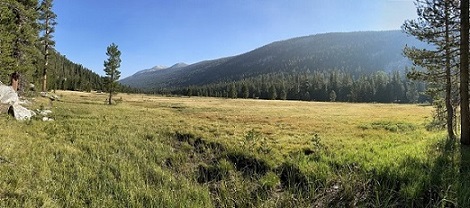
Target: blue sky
{"points": [[165, 32]]}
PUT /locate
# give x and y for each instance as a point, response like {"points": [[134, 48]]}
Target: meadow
{"points": [[153, 151]]}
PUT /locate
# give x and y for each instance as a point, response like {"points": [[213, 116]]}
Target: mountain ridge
{"points": [[359, 52]]}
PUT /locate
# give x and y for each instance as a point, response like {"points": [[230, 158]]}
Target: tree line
{"points": [[330, 85]]}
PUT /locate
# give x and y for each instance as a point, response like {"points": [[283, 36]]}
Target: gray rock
{"points": [[9, 96]]}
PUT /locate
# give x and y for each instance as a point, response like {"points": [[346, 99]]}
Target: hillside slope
{"points": [[354, 52]]}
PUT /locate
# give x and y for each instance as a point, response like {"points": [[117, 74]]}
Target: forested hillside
{"points": [[22, 49], [67, 75], [355, 66]]}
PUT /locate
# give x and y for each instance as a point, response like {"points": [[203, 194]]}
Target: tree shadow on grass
{"points": [[451, 174], [442, 184], [463, 195], [425, 183]]}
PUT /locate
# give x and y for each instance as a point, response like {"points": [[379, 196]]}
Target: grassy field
{"points": [[150, 151]]}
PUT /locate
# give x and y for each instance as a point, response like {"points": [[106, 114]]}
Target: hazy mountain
{"points": [[355, 52], [153, 69], [145, 78]]}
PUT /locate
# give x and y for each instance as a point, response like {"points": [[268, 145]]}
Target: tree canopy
{"points": [[111, 68]]}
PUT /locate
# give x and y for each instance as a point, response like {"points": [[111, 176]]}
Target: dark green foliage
{"points": [[245, 91], [189, 92], [66, 75], [232, 91], [376, 87], [272, 93], [111, 68], [332, 96], [283, 93], [18, 36], [438, 25]]}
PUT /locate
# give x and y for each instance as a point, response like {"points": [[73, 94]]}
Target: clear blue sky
{"points": [[164, 32]]}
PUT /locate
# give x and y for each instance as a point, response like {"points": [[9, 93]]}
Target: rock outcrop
{"points": [[9, 97]]}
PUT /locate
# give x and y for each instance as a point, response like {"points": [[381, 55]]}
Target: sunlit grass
{"points": [[126, 155]]}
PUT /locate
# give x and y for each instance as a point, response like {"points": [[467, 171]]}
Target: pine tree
{"points": [[111, 67], [189, 92], [232, 91], [245, 91], [6, 36], [18, 35], [283, 93], [47, 22], [438, 25], [332, 96], [272, 93]]}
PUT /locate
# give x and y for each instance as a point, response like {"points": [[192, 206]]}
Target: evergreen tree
{"points": [[47, 24], [18, 35], [189, 92], [438, 25], [283, 93], [111, 68], [245, 91], [272, 93], [304, 91], [332, 96], [232, 91], [375, 87], [6, 37], [412, 94]]}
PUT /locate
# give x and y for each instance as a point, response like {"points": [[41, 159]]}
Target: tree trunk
{"points": [[44, 73], [110, 96], [464, 52], [449, 108], [46, 57], [111, 88]]}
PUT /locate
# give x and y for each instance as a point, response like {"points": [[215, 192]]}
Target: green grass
{"points": [[150, 151]]}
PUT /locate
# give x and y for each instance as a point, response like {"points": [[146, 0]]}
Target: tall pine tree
{"points": [[437, 25], [18, 35], [47, 22], [111, 68]]}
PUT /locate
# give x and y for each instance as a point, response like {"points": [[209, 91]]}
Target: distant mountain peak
{"points": [[155, 68], [179, 65], [159, 67]]}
